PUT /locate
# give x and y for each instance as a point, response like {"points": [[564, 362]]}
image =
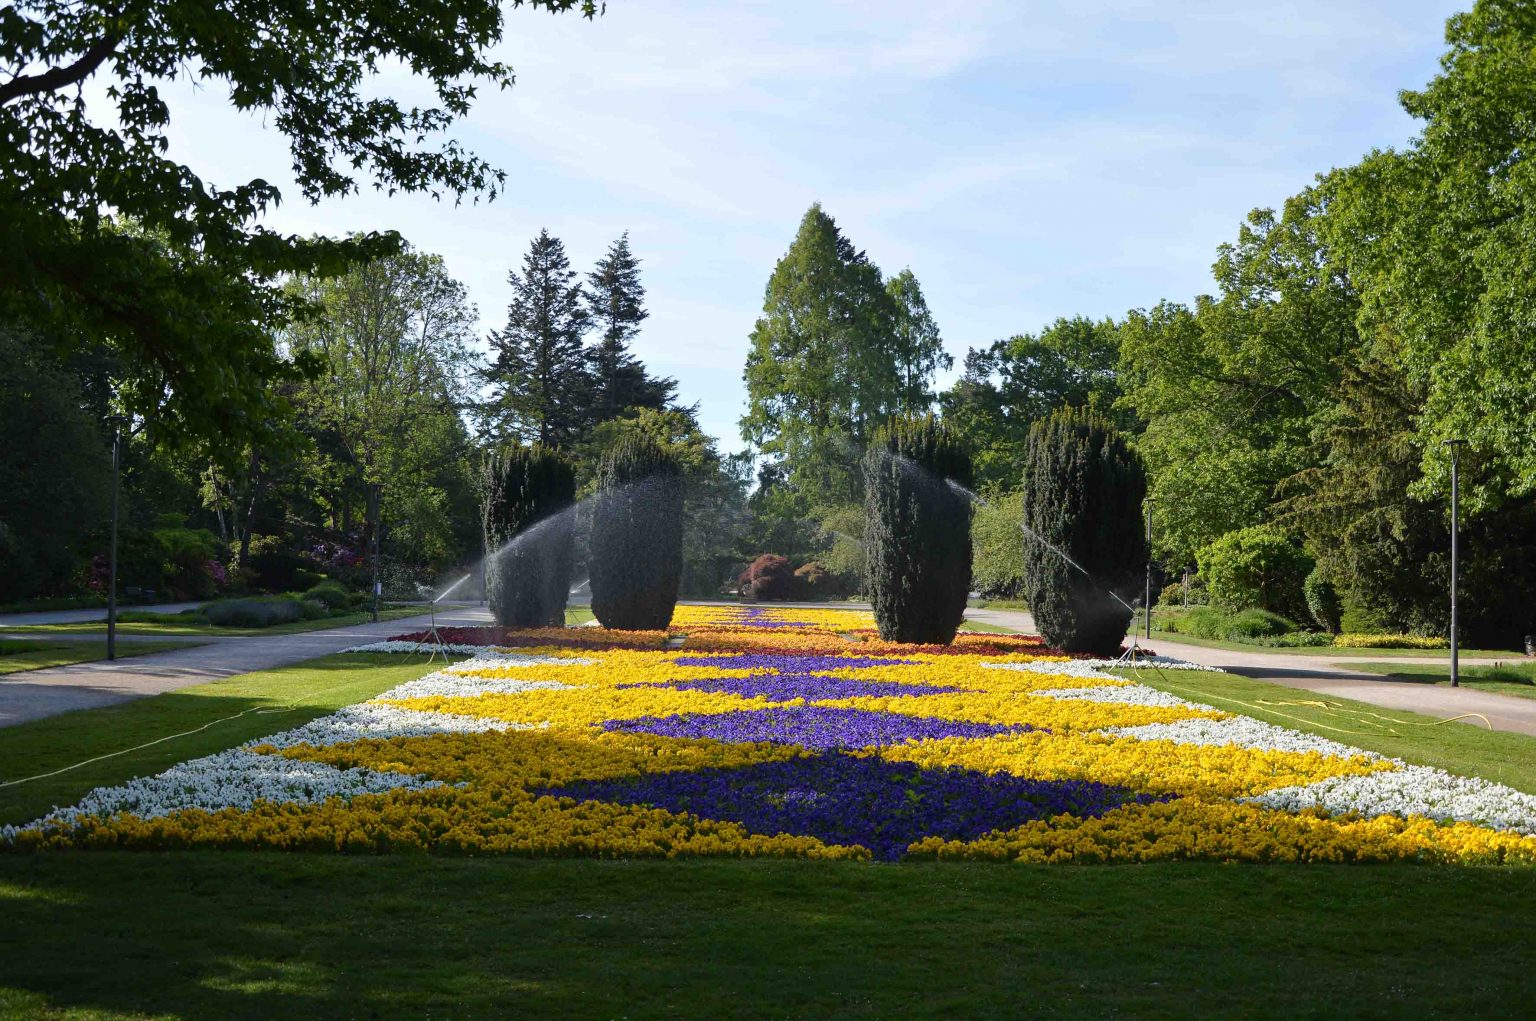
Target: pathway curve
{"points": [[35, 694], [85, 616], [1332, 676]]}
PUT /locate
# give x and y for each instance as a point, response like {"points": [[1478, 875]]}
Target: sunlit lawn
{"points": [[1504, 678], [21, 654], [168, 624]]}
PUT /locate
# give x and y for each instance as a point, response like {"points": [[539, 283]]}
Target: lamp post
{"points": [[1148, 602], [116, 421], [1455, 447]]}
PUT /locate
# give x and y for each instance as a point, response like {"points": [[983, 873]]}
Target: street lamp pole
{"points": [[1148, 602], [1455, 446], [117, 461]]}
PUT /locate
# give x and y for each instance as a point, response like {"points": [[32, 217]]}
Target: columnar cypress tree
{"points": [[529, 528], [636, 555], [1083, 492], [917, 531]]}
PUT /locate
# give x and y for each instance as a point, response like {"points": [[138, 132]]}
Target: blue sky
{"points": [[1027, 160]]}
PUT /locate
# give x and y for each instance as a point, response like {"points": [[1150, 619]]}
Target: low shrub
{"points": [[1201, 622], [814, 581], [332, 593], [1358, 641], [1297, 640], [314, 609], [1260, 566], [256, 611], [1246, 625]]}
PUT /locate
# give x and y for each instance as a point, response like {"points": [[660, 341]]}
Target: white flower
{"points": [[1413, 790]]}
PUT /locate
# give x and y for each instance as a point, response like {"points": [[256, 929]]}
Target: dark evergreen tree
{"points": [[636, 555], [1084, 551], [538, 364], [616, 306], [917, 530], [529, 528]]}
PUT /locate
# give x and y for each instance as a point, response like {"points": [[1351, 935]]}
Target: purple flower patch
{"points": [[811, 687], [818, 728], [842, 799], [791, 664]]}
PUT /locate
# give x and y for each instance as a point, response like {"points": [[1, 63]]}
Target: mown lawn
{"points": [[260, 935], [232, 710], [104, 935], [168, 624], [1460, 747], [17, 655], [1504, 678]]}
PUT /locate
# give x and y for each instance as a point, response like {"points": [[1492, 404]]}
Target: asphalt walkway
{"points": [[84, 616], [1332, 676], [35, 694]]}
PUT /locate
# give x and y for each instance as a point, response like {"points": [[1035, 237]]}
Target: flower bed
{"points": [[792, 732]]}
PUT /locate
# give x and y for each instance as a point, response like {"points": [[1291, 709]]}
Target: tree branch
{"points": [[58, 77]]}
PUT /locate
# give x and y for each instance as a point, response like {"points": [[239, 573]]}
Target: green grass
{"points": [[172, 624], [17, 655], [1463, 748], [578, 615], [979, 625], [1503, 678], [997, 604], [1321, 651], [104, 935], [270, 700]]}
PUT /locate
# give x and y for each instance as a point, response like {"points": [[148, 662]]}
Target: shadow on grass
{"points": [[233, 710], [229, 935]]}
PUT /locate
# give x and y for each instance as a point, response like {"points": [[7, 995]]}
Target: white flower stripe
{"points": [[1413, 790]]}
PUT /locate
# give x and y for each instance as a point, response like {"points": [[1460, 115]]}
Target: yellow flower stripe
{"points": [[1157, 767], [446, 820], [581, 707], [1008, 708], [517, 760], [1215, 831]]}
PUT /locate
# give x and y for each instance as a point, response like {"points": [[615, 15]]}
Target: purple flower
{"points": [[786, 687], [843, 799], [818, 728]]}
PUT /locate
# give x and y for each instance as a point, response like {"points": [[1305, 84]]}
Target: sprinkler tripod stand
{"points": [[433, 639]]}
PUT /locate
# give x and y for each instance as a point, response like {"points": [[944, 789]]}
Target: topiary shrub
{"points": [[1083, 493], [1259, 567], [1323, 602], [636, 557], [917, 530], [529, 530], [768, 577]]}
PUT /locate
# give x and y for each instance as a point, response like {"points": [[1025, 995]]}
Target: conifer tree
{"points": [[917, 530], [529, 532], [1084, 549], [636, 558], [616, 306], [538, 365]]}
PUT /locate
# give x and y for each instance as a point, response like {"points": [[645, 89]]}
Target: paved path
{"points": [[1330, 675], [35, 694], [84, 616]]}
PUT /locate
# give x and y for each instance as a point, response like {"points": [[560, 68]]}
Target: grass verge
{"points": [[36, 654], [1319, 651], [166, 624], [258, 935], [1497, 755], [1503, 678], [978, 625], [263, 703]]}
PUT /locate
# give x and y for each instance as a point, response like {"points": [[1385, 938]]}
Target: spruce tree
{"points": [[917, 530], [616, 307], [636, 557], [529, 528], [1084, 547], [539, 365]]}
